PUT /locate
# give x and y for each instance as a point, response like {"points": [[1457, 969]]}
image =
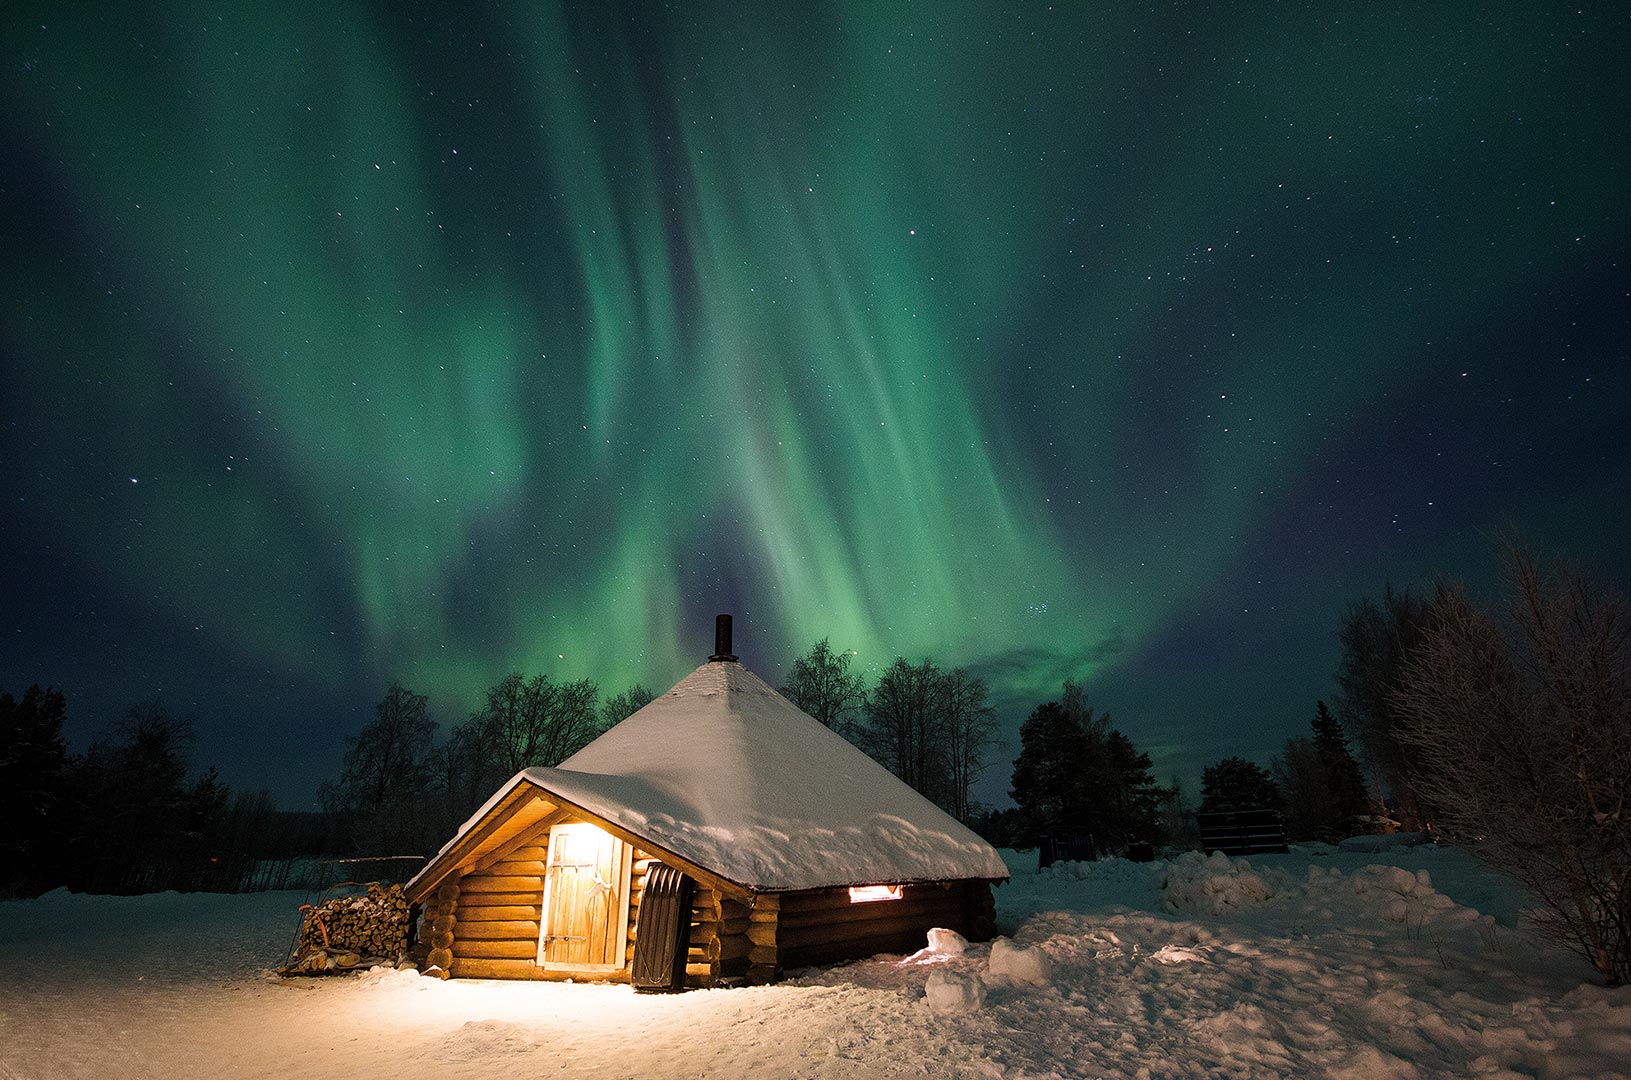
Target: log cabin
{"points": [[794, 849]]}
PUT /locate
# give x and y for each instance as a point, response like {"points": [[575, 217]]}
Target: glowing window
{"points": [[866, 894]]}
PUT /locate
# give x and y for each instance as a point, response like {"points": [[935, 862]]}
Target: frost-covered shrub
{"points": [[1521, 727]]}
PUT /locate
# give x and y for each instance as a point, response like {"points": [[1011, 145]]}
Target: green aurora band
{"points": [[419, 346]]}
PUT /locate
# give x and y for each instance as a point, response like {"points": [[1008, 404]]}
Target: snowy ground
{"points": [[1401, 964]]}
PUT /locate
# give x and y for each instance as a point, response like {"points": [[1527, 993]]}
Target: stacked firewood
{"points": [[352, 932]]}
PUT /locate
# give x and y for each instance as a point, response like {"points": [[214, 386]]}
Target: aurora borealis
{"points": [[343, 344]]}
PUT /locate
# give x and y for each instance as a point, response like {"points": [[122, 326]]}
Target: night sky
{"points": [[342, 344]]}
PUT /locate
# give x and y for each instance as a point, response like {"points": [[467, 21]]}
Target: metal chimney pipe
{"points": [[722, 639]]}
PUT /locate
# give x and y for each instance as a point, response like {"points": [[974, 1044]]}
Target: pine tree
{"points": [[34, 776], [1136, 798], [1048, 783], [1237, 784], [1077, 775], [1344, 783]]}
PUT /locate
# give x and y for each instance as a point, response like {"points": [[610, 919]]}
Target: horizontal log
{"points": [[449, 891], [760, 955], [499, 899], [441, 907], [528, 853], [813, 899], [498, 912], [441, 939], [498, 883], [481, 968], [495, 950], [705, 971], [849, 949], [512, 929], [735, 966], [762, 933], [794, 937], [443, 923], [708, 931], [732, 948], [734, 909], [766, 916], [949, 908], [439, 958], [533, 868]]}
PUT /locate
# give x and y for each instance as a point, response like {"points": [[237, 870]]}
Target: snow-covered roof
{"points": [[726, 773]]}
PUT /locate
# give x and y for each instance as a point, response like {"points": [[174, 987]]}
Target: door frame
{"points": [[623, 869]]}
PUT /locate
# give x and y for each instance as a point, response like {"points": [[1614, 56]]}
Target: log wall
{"points": [[496, 925], [822, 926], [494, 932], [486, 924], [491, 927]]}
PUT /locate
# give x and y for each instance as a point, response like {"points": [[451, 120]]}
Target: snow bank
{"points": [[1373, 845], [945, 942], [1021, 964], [1318, 978], [950, 993], [1216, 884]]}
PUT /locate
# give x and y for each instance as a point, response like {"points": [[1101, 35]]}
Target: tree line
{"points": [[404, 790], [1503, 727], [927, 725], [1315, 783], [131, 815], [1075, 775]]}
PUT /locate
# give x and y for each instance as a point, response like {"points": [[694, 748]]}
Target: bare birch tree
{"points": [[538, 722], [1522, 722], [820, 684], [970, 723]]}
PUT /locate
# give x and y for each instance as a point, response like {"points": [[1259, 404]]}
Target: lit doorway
{"points": [[586, 900]]}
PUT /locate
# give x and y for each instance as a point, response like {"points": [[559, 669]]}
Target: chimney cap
{"points": [[722, 640]]}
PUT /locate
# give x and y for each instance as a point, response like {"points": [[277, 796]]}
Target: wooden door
{"points": [[586, 900]]}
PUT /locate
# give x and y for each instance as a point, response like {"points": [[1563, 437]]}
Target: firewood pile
{"points": [[351, 932]]}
